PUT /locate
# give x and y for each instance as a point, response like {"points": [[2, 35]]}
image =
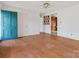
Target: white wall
{"points": [[28, 21], [34, 23], [31, 23], [68, 21], [41, 24]]}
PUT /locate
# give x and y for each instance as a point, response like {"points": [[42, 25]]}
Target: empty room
{"points": [[39, 29]]}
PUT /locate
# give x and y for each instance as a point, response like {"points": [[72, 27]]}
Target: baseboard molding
{"points": [[44, 33], [62, 36], [67, 37]]}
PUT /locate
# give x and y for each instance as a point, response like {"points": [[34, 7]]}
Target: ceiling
{"points": [[35, 5]]}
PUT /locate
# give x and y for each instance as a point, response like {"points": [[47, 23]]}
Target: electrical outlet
{"points": [[60, 21], [71, 34]]}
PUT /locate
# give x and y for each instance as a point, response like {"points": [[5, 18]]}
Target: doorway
{"points": [[54, 25]]}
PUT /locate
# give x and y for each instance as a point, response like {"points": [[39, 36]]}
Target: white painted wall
{"points": [[47, 29], [31, 24], [68, 21], [41, 24]]}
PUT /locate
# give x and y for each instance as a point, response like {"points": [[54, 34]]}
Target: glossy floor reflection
{"points": [[42, 45]]}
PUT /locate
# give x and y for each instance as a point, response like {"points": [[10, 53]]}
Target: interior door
{"points": [[9, 25]]}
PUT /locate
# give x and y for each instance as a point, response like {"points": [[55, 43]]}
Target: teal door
{"points": [[9, 25], [14, 31]]}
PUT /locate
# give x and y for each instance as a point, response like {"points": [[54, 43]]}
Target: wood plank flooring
{"points": [[40, 46]]}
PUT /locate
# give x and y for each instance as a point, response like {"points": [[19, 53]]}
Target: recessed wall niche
{"points": [[46, 20]]}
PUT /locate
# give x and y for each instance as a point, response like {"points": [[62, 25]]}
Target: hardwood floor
{"points": [[40, 46]]}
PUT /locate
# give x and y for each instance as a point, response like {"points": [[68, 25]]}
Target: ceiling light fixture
{"points": [[46, 4]]}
